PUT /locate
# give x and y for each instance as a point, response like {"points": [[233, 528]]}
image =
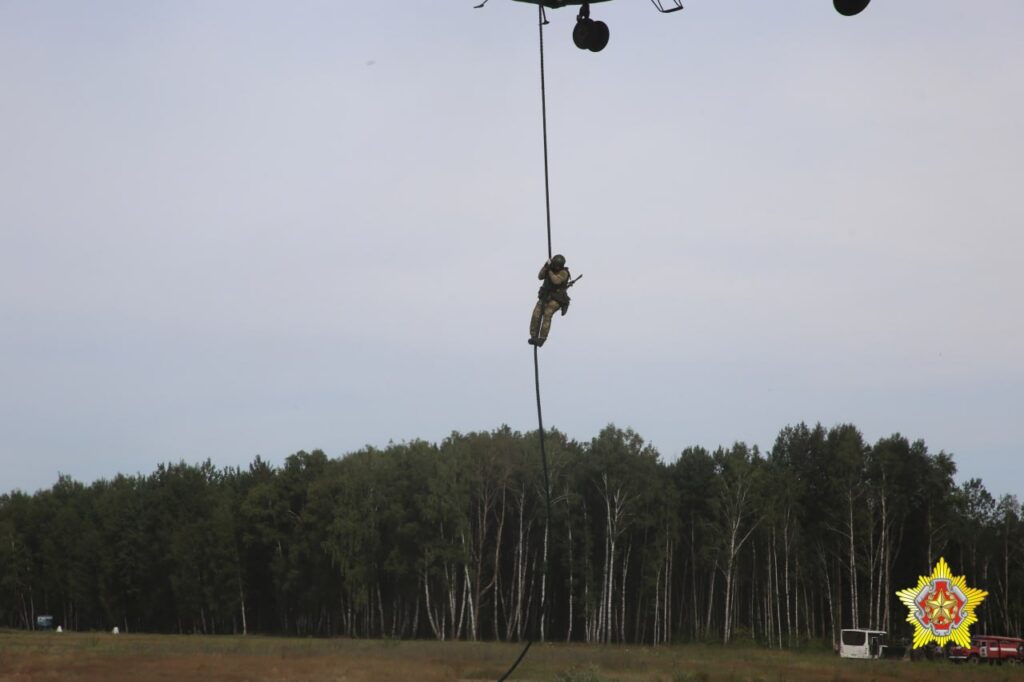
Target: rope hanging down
{"points": [[536, 362], [544, 121]]}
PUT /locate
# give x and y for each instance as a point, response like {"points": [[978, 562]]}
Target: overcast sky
{"points": [[242, 227]]}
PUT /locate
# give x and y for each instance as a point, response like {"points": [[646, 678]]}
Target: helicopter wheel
{"points": [[581, 34], [590, 35], [598, 36], [849, 8]]}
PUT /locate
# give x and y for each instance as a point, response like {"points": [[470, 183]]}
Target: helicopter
{"points": [[589, 34]]}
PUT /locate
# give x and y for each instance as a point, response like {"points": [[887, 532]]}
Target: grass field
{"points": [[142, 658]]}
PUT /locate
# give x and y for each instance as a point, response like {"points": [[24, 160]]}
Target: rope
{"points": [[544, 119], [536, 361], [516, 664]]}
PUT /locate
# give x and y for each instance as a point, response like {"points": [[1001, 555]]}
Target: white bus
{"points": [[863, 643]]}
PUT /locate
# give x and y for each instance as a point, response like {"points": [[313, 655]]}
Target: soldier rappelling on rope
{"points": [[552, 297]]}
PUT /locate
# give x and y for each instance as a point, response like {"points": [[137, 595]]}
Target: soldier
{"points": [[553, 296]]}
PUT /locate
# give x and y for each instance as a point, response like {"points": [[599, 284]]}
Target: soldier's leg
{"points": [[535, 319], [549, 311]]}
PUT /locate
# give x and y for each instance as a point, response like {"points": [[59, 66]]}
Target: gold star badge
{"points": [[942, 608]]}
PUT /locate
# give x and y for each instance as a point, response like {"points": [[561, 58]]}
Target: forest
{"points": [[450, 541]]}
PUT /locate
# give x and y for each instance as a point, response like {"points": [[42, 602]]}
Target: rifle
{"points": [[565, 308]]}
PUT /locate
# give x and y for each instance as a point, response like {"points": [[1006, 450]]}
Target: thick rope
{"points": [[544, 120], [536, 366]]}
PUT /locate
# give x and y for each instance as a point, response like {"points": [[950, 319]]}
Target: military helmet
{"points": [[558, 261]]}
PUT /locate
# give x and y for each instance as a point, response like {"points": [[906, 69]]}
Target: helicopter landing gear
{"points": [[849, 8], [589, 34]]}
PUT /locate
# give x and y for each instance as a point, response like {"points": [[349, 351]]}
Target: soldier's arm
{"points": [[543, 272], [559, 278]]}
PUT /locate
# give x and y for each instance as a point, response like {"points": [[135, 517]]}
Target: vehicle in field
{"points": [[989, 649], [856, 643]]}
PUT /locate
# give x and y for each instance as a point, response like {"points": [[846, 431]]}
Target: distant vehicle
{"points": [[861, 643], [44, 622], [857, 643], [990, 649]]}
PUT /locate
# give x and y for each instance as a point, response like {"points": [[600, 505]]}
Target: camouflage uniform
{"points": [[552, 297]]}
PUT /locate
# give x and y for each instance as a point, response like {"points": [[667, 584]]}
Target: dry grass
{"points": [[98, 657]]}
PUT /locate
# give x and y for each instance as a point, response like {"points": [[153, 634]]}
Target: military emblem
{"points": [[942, 607]]}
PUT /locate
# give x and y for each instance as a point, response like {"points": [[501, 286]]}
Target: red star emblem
{"points": [[941, 607]]}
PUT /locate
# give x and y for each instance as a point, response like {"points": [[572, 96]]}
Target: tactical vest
{"points": [[551, 292]]}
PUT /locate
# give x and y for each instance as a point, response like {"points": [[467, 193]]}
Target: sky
{"points": [[248, 228]]}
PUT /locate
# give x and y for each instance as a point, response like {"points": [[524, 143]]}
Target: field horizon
{"points": [[96, 656]]}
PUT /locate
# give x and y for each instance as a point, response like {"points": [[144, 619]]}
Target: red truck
{"points": [[990, 649]]}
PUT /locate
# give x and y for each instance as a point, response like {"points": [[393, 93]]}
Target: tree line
{"points": [[451, 541]]}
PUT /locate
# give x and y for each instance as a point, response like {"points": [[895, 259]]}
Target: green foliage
{"points": [[451, 540]]}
